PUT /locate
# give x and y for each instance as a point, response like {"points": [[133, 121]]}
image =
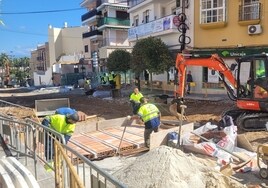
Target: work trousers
{"points": [[147, 133]]}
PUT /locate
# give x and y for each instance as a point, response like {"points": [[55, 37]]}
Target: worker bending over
{"points": [[150, 115], [135, 100], [64, 124]]}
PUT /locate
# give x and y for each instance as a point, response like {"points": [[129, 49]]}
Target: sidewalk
{"points": [[193, 96]]}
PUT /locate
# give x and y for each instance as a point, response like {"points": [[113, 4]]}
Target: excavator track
{"points": [[248, 120]]}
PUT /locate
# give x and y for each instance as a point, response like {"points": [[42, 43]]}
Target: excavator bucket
{"points": [[173, 109]]}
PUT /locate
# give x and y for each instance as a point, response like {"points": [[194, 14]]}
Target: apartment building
{"points": [[230, 29], [61, 55], [40, 72], [108, 23], [159, 18]]}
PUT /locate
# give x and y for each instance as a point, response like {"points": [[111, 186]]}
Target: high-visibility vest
{"points": [[260, 72], [136, 97], [111, 77], [148, 111], [59, 124]]}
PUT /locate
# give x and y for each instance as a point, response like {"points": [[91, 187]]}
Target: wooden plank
{"points": [[160, 138], [134, 151]]}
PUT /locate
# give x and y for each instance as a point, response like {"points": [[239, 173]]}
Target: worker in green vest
{"points": [[150, 115], [260, 72], [64, 124], [135, 100]]}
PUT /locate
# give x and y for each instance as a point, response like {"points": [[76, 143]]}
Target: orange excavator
{"points": [[240, 80]]}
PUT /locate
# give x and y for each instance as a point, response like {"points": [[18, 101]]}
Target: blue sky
{"points": [[21, 33]]}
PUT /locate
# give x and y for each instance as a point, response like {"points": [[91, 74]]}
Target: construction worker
{"points": [[189, 79], [64, 124], [150, 115], [260, 71], [135, 100]]}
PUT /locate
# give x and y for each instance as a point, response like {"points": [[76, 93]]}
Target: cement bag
{"points": [[191, 142], [188, 137]]}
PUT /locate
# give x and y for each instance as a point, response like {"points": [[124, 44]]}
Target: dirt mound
{"points": [[169, 167]]}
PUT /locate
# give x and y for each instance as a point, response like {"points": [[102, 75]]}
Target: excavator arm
{"points": [[214, 62]]}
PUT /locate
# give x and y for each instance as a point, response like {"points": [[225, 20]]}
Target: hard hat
{"points": [[73, 116]]}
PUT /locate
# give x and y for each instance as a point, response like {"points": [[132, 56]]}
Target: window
{"points": [[136, 20], [212, 11], [86, 48], [76, 70], [146, 16], [249, 10], [163, 11], [173, 10]]}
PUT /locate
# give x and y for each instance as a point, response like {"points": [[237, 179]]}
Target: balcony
{"points": [[113, 22], [90, 14], [157, 27], [91, 33], [250, 14]]}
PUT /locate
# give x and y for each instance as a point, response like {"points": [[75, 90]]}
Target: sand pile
{"points": [[169, 167]]}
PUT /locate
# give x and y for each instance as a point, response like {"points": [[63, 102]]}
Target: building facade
{"points": [[62, 54], [159, 18], [108, 24], [231, 29]]}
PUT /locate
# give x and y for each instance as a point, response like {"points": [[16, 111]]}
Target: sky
{"points": [[22, 32]]}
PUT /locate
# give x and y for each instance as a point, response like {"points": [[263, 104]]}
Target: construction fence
{"points": [[34, 144]]}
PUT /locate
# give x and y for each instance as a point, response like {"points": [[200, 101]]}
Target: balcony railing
{"points": [[113, 21], [250, 12], [90, 14], [91, 33]]}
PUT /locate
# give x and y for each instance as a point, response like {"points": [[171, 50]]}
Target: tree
{"points": [[151, 54], [119, 61], [5, 65], [21, 70]]}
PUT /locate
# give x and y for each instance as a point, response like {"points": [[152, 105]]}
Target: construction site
{"points": [[107, 148]]}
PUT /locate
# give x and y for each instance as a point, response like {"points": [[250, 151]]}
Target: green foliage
{"points": [[19, 67], [119, 61], [151, 54], [4, 59]]}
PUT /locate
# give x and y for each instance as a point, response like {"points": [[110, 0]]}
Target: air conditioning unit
{"points": [[254, 29]]}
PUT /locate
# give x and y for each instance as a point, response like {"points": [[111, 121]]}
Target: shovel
{"points": [[127, 121], [181, 120]]}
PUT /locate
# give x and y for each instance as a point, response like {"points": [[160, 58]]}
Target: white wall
{"points": [[44, 79]]}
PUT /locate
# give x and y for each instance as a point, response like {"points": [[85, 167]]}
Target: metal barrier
{"points": [[30, 139], [89, 173]]}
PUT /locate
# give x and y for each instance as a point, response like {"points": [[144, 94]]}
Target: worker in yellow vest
{"points": [[64, 124], [135, 100], [150, 115]]}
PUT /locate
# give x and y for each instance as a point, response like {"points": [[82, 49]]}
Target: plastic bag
{"points": [[173, 139]]}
